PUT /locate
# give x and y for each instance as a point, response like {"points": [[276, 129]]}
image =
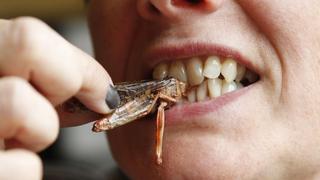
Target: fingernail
{"points": [[113, 98]]}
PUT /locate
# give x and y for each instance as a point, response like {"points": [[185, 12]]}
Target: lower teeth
{"points": [[210, 89]]}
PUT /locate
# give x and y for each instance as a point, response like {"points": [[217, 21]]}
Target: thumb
{"points": [[74, 113]]}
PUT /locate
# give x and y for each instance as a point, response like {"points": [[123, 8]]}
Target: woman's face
{"points": [[267, 130]]}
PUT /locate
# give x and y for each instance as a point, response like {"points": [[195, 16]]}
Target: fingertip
{"points": [[103, 101], [97, 92]]}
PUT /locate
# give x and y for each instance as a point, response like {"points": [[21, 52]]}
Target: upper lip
{"points": [[177, 51]]}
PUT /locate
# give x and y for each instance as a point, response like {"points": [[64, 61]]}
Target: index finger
{"points": [[55, 67]]}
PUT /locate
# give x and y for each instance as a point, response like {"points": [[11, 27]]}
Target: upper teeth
{"points": [[178, 71], [229, 70], [212, 67], [161, 71], [194, 71], [224, 75]]}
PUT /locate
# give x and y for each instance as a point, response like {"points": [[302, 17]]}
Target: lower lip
{"points": [[186, 112]]}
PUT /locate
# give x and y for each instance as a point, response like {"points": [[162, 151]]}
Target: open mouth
{"points": [[209, 80], [208, 77]]}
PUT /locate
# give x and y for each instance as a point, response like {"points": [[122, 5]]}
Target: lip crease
{"points": [[183, 51], [169, 52]]}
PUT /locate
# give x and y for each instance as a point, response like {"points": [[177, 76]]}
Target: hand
{"points": [[38, 71]]}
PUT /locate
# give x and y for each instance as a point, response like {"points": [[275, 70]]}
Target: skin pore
{"points": [[269, 132]]}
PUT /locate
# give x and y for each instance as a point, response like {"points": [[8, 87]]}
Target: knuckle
{"points": [[44, 134], [12, 89], [18, 102], [15, 88], [50, 132], [72, 89], [27, 37]]}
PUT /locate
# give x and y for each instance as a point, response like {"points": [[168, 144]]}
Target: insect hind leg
{"points": [[160, 131], [163, 97], [167, 98]]}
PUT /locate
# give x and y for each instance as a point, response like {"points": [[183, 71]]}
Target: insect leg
{"points": [[160, 96], [160, 130], [153, 104], [167, 98]]}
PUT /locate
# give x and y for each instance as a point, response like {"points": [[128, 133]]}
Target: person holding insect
{"points": [[251, 111]]}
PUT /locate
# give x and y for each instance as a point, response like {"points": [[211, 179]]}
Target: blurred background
{"points": [[76, 146]]}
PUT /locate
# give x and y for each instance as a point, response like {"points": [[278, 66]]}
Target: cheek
{"points": [[295, 38], [112, 25]]}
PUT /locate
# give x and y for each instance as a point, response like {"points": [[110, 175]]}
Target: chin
{"points": [[188, 153]]}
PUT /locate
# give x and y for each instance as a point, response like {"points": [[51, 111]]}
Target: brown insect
{"points": [[141, 98]]}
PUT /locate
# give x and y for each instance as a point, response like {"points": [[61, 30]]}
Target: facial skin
{"points": [[269, 132]]}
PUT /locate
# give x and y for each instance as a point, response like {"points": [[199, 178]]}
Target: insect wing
{"points": [[140, 87], [134, 89], [131, 111]]}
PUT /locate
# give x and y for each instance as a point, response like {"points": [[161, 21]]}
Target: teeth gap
{"points": [[207, 77], [221, 77]]}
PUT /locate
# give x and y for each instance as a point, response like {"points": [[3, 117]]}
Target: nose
{"points": [[176, 9]]}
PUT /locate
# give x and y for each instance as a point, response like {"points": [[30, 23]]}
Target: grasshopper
{"points": [[141, 98], [138, 99]]}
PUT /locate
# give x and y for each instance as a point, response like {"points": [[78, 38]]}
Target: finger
{"points": [[30, 49], [20, 164], [27, 119], [75, 113]]}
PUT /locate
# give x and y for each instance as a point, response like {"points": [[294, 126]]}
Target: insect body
{"points": [[139, 99]]}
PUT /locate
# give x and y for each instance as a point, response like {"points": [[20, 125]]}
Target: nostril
{"points": [[200, 5], [153, 9], [207, 6], [175, 9], [186, 2], [149, 10], [194, 1]]}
